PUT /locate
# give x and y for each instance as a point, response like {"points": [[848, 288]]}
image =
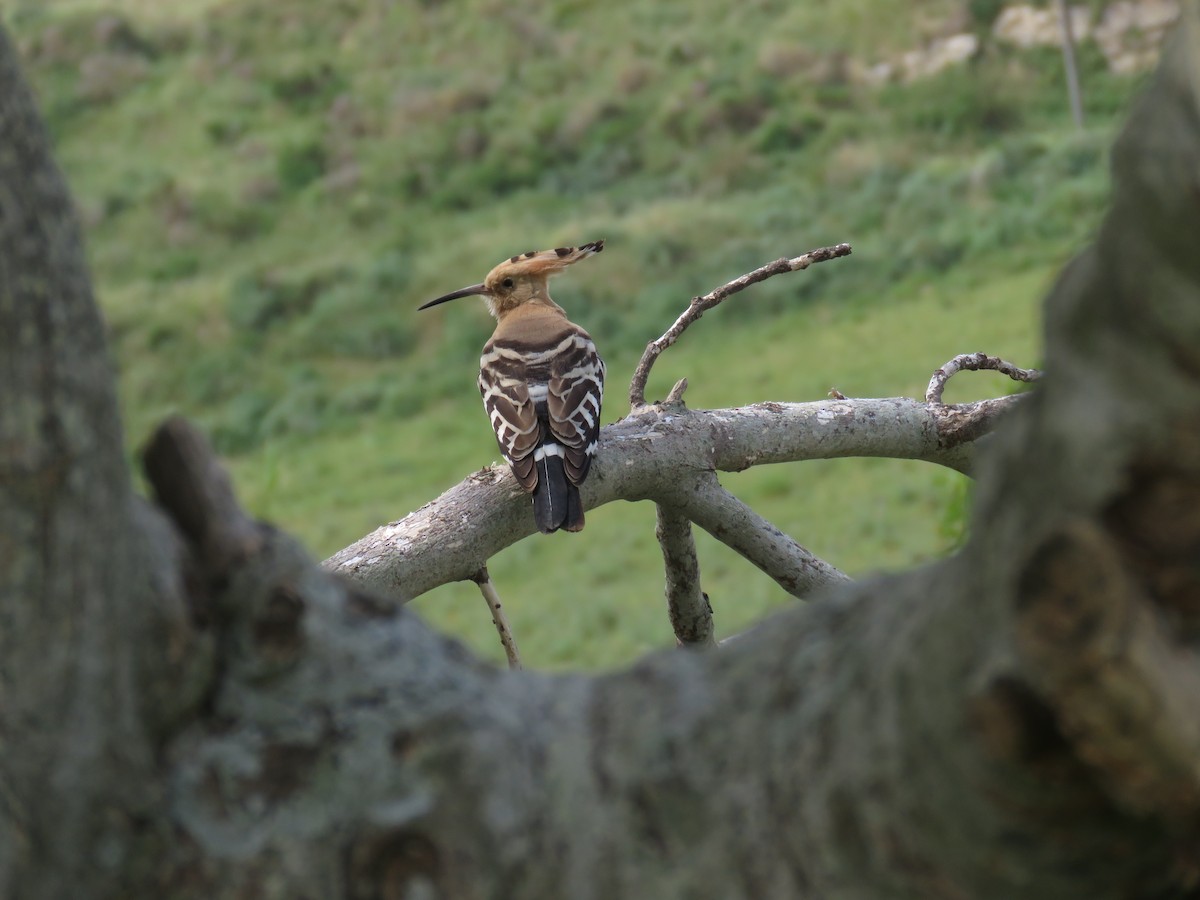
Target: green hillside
{"points": [[271, 188]]}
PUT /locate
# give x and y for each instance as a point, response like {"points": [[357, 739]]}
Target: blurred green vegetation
{"points": [[270, 190]]}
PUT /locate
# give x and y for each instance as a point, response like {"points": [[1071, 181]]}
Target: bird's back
{"points": [[542, 383]]}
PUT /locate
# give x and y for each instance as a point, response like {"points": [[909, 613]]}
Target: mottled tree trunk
{"points": [[191, 708], [75, 753]]}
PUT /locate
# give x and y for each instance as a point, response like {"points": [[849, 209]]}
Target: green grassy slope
{"points": [[272, 188]]}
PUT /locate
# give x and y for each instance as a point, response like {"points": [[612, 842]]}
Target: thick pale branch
{"points": [[700, 305], [974, 362], [892, 428], [647, 456], [687, 605]]}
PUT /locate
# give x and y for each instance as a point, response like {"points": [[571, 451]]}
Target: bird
{"points": [[542, 382]]}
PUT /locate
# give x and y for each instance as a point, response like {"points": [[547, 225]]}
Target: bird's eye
{"points": [[507, 282]]}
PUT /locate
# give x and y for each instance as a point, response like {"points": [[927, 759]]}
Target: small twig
{"points": [[499, 619], [687, 605], [700, 305], [676, 395], [974, 362]]}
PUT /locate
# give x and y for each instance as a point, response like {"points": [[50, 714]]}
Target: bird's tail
{"points": [[556, 502], [574, 519]]}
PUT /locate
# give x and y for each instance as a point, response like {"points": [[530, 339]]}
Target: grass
{"points": [[271, 189]]}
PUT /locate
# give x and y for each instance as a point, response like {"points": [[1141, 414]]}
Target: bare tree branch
{"points": [[687, 605], [700, 305], [490, 596], [647, 456], [735, 524], [974, 362]]}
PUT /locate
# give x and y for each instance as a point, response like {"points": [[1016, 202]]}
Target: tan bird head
{"points": [[522, 279]]}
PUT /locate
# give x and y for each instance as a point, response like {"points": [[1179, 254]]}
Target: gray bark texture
{"points": [[191, 708]]}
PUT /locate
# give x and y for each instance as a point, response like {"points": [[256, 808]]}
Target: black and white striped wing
{"points": [[513, 416], [576, 391]]}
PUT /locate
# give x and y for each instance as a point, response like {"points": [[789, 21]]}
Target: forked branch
{"points": [[650, 455]]}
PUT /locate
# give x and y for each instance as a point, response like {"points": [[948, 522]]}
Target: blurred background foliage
{"points": [[271, 187]]}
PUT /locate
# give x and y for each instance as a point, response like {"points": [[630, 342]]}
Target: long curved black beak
{"points": [[473, 290]]}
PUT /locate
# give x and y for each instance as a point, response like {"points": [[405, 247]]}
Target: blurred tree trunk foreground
{"points": [[189, 707]]}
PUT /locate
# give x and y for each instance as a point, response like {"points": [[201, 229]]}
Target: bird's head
{"points": [[522, 279]]}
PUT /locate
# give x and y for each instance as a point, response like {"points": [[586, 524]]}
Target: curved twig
{"points": [[700, 305], [975, 362]]}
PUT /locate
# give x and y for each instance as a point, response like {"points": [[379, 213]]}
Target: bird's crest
{"points": [[543, 262]]}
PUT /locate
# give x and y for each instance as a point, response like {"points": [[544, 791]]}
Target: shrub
{"points": [[222, 215], [300, 164], [983, 13], [354, 314], [978, 101], [225, 130], [788, 129], [306, 89], [104, 77], [175, 265], [302, 410], [261, 301], [238, 426], [347, 321]]}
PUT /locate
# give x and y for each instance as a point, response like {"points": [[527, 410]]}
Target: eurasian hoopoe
{"points": [[542, 382]]}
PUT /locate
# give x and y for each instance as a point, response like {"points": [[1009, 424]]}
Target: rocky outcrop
{"points": [[1129, 33]]}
